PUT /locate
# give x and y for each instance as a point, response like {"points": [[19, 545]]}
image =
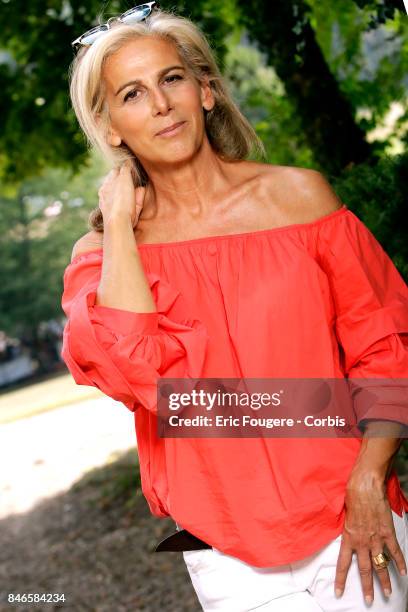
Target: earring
{"points": [[115, 141]]}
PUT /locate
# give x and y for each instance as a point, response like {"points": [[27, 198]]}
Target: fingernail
{"points": [[368, 599], [403, 572], [387, 592], [338, 592]]}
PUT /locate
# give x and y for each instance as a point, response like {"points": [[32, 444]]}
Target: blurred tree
{"points": [[283, 32], [39, 224], [369, 60], [262, 98], [381, 10]]}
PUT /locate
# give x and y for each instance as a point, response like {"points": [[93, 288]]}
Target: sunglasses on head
{"points": [[133, 15]]}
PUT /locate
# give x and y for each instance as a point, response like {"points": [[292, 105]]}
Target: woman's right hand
{"points": [[118, 197]]}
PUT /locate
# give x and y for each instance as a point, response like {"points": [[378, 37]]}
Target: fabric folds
{"points": [[120, 352], [371, 304]]}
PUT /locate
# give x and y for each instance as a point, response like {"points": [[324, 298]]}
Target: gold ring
{"points": [[381, 560]]}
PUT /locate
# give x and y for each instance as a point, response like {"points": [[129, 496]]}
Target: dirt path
{"points": [[45, 454], [73, 519], [95, 544]]}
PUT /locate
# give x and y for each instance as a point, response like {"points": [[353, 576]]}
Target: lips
{"points": [[171, 127]]}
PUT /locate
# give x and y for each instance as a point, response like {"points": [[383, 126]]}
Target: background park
{"points": [[325, 84]]}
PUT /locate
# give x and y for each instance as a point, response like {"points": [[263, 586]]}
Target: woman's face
{"points": [[148, 90]]}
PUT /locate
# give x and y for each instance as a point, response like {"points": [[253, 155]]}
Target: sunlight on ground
{"points": [[45, 454], [42, 396]]}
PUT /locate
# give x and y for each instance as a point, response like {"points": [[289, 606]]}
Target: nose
{"points": [[160, 102]]}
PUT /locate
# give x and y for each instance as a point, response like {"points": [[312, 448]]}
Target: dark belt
{"points": [[181, 540]]}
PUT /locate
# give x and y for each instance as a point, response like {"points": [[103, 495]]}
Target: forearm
{"points": [[123, 280], [379, 446]]}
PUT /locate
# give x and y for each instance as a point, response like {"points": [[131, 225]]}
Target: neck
{"points": [[187, 189]]}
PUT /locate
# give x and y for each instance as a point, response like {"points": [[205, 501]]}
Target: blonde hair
{"points": [[229, 132]]}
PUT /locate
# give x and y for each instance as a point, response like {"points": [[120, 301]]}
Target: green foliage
{"points": [[262, 98], [283, 30], [367, 56], [36, 245], [380, 10]]}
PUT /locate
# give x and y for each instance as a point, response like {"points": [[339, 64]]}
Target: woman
{"points": [[216, 266]]}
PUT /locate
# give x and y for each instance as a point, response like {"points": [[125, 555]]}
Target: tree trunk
{"points": [[282, 31]]}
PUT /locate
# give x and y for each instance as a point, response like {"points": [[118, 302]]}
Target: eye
{"points": [[174, 76], [129, 95]]}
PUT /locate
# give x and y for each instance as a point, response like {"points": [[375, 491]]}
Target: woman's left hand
{"points": [[368, 527]]}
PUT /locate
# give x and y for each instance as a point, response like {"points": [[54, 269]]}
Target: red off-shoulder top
{"points": [[320, 299]]}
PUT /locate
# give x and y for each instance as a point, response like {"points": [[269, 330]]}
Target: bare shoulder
{"points": [[89, 242], [314, 191], [303, 195]]}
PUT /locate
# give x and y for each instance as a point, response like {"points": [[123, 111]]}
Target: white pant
{"points": [[223, 582]]}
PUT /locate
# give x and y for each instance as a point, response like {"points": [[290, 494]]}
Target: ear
{"points": [[207, 94], [113, 137]]}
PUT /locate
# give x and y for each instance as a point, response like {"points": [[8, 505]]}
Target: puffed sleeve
{"points": [[123, 353], [371, 317]]}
